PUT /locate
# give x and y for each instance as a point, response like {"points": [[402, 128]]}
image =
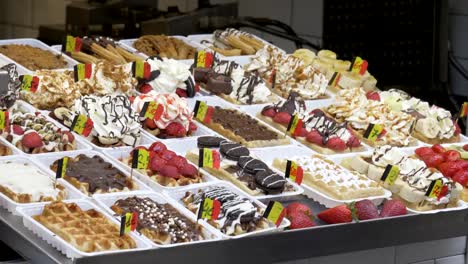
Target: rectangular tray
{"points": [[48, 159], [106, 201], [62, 245], [12, 206], [175, 197], [37, 44]]}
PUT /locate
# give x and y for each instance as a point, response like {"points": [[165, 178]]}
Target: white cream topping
{"points": [[173, 75]]}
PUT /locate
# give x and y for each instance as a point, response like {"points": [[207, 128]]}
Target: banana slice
{"points": [[306, 55], [322, 66], [427, 127], [369, 84], [396, 187], [107, 140], [375, 173], [328, 61], [349, 80], [411, 195], [327, 54], [358, 164], [341, 65]]}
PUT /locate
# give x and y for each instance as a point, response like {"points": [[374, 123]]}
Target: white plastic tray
{"points": [[175, 197], [37, 44], [63, 246], [191, 144], [11, 205], [46, 160], [116, 154], [106, 201], [268, 155]]}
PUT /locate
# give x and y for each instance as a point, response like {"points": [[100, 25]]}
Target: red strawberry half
{"points": [[32, 140], [145, 88], [178, 161], [297, 207], [175, 129], [336, 143], [189, 170], [373, 96], [301, 220], [169, 171], [157, 163], [269, 111], [282, 118], [335, 215], [158, 147], [393, 208], [423, 151], [366, 209], [315, 137], [452, 155]]}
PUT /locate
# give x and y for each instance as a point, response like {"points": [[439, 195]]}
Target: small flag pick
{"points": [[295, 125], [359, 66], [275, 212], [374, 131], [128, 222], [203, 112], [209, 209], [82, 125], [294, 172], [390, 174], [203, 59], [209, 158]]}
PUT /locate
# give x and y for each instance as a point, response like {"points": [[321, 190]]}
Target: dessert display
{"points": [[24, 183], [452, 162], [331, 179], [174, 119], [285, 73], [228, 80], [238, 215], [165, 47], [168, 76], [32, 133], [86, 230], [414, 183], [353, 107], [242, 128], [251, 175], [33, 58], [233, 42], [318, 130], [166, 167], [433, 125], [95, 48], [114, 123], [93, 175], [161, 223], [326, 61]]}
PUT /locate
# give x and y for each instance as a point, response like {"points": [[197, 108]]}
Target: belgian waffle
{"points": [[5, 150], [88, 231], [165, 47]]}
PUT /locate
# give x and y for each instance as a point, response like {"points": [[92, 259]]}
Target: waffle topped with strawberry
{"points": [[166, 167], [318, 131], [32, 133]]}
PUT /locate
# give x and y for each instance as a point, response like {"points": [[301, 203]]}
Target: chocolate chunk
{"points": [[219, 84], [201, 74], [233, 151], [209, 142], [289, 106], [251, 165], [270, 182]]}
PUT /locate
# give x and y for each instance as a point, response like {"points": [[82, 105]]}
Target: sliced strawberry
{"points": [[373, 96], [336, 143], [178, 161], [315, 137], [189, 170], [169, 171], [32, 140], [145, 88], [443, 192], [353, 142], [393, 208], [465, 147], [452, 155], [282, 118], [175, 129], [297, 207], [269, 111], [437, 148], [158, 147], [69, 135], [17, 130], [448, 169], [366, 209], [315, 111], [335, 215], [157, 163], [192, 127], [461, 177], [433, 161], [181, 92], [131, 99], [423, 151], [168, 154], [150, 124], [302, 132]]}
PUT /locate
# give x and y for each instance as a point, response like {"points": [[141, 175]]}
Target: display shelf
{"points": [[268, 248]]}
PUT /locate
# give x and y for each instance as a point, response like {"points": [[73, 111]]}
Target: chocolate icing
{"points": [[289, 106], [233, 150], [270, 181], [209, 142], [242, 125], [219, 84], [326, 126]]}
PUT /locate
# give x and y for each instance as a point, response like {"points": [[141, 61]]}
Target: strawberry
{"points": [[335, 215], [437, 148], [32, 140], [465, 147], [336, 143], [189, 170], [461, 177], [315, 111], [423, 151], [150, 124], [296, 207], [270, 112], [146, 88], [353, 142], [69, 135], [452, 155], [373, 96], [176, 130], [448, 169], [131, 99], [301, 220], [432, 161], [315, 137], [301, 132], [168, 154], [282, 118], [393, 208], [366, 209], [169, 171], [192, 127], [158, 147], [457, 128], [157, 163], [178, 161], [181, 93], [17, 130]]}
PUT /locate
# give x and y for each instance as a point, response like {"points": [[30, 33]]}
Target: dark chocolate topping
{"points": [[162, 218], [219, 84], [225, 67], [209, 142], [250, 81], [252, 165], [326, 126], [233, 150], [269, 181], [242, 125]]}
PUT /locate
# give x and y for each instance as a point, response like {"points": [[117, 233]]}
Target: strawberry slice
{"points": [[336, 143], [373, 96], [145, 88], [335, 215], [433, 161], [452, 155], [175, 129], [158, 147], [461, 177], [393, 208], [178, 161], [189, 170], [150, 124], [269, 111], [423, 151], [437, 148], [169, 171], [282, 118], [315, 137], [32, 140], [157, 163], [448, 169]]}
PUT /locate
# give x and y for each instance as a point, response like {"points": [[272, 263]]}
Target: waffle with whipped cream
{"points": [[86, 230], [332, 179]]}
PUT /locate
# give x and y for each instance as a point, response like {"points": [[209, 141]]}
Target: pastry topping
{"points": [[33, 58], [252, 165], [209, 142], [233, 151], [164, 47], [270, 181]]}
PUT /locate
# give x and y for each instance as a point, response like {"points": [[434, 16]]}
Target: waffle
{"points": [[23, 183], [95, 49], [231, 222], [88, 231], [163, 46], [94, 175], [433, 141], [413, 181], [161, 223], [5, 150], [233, 42], [333, 180]]}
